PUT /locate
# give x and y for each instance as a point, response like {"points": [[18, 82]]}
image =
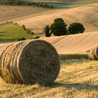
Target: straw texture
{"points": [[30, 62], [93, 54]]}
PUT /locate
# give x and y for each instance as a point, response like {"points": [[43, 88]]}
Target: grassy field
{"points": [[77, 78], [68, 5], [11, 32]]}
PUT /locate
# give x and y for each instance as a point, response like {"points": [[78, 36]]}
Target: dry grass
{"points": [[93, 53], [70, 44], [87, 15], [10, 13], [74, 44], [37, 18], [77, 78]]}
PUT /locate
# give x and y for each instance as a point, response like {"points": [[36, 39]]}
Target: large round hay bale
{"points": [[93, 54], [30, 62]]}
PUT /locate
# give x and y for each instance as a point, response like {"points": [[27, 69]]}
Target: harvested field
{"points": [[73, 44], [78, 78], [87, 15], [78, 75], [12, 13], [70, 44], [37, 18]]}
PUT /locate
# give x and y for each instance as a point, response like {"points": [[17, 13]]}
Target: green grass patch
{"points": [[10, 32], [73, 56]]}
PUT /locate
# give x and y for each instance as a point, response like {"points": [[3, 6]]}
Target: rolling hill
{"points": [[87, 15], [10, 32], [37, 18], [12, 13], [69, 44], [74, 44], [78, 77], [78, 43]]}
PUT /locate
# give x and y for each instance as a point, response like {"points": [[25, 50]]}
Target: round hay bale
{"points": [[93, 54], [30, 62]]}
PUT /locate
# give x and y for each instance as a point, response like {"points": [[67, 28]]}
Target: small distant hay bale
{"points": [[93, 54], [30, 62]]}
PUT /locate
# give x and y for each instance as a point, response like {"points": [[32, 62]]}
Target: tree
{"points": [[29, 32], [23, 26], [58, 28], [10, 2], [75, 28], [47, 31]]}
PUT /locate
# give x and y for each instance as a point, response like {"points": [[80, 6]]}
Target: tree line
{"points": [[25, 3], [59, 27]]}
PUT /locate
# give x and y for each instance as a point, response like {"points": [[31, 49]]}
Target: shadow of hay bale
{"points": [[30, 62], [73, 56], [79, 86], [93, 54]]}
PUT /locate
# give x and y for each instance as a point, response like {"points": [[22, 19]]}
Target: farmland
{"points": [[36, 18], [78, 76]]}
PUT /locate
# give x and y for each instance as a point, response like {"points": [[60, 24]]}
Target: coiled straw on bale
{"points": [[93, 54], [30, 62]]}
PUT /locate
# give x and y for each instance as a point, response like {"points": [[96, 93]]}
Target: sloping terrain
{"points": [[37, 18], [12, 32], [87, 15], [78, 43], [11, 13], [78, 77], [69, 44]]}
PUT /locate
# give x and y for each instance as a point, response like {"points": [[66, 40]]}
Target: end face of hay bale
{"points": [[93, 54], [30, 62]]}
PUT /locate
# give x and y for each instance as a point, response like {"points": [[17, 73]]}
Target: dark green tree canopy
{"points": [[59, 20], [75, 28], [47, 31], [58, 27]]}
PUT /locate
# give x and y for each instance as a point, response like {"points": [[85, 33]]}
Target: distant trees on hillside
{"points": [[75, 28], [27, 30], [47, 31], [26, 3], [58, 28]]}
